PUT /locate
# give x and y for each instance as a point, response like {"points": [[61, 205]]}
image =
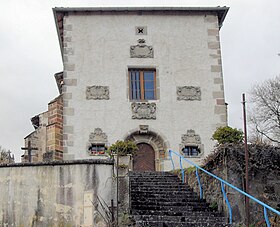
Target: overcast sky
{"points": [[30, 55]]}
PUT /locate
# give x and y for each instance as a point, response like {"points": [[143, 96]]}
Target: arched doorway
{"points": [[153, 141], [144, 159]]}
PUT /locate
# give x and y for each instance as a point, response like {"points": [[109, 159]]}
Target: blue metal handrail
{"points": [[223, 182]]}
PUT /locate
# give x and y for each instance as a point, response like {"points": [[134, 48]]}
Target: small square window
{"points": [[142, 84], [97, 149], [191, 151]]}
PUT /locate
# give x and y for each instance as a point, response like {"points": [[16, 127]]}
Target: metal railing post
{"points": [[266, 217], [199, 183], [227, 202], [170, 155], [182, 171]]}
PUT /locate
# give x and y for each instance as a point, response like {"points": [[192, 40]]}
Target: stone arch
{"points": [[158, 141]]}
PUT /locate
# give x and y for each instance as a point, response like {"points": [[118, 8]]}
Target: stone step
{"points": [[153, 179], [165, 197], [171, 207], [168, 203], [158, 183], [178, 224], [186, 215], [166, 189], [161, 192], [157, 174], [145, 173], [188, 219], [180, 213], [161, 199], [136, 198]]}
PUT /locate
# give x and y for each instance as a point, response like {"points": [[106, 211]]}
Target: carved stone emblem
{"points": [[188, 93], [143, 110], [141, 50], [143, 129], [97, 92], [98, 136], [190, 138]]}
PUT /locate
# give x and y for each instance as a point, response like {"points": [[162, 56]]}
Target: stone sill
{"points": [[199, 156]]}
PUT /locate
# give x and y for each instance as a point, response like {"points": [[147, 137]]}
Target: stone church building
{"points": [[152, 75]]}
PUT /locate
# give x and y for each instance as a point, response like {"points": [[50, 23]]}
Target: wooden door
{"points": [[144, 159]]}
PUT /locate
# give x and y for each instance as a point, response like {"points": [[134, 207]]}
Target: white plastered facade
{"points": [[97, 53]]}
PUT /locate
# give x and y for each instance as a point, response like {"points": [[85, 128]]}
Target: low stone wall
{"points": [[228, 163], [56, 193]]}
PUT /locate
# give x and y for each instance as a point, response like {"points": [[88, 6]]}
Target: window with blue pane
{"points": [[142, 84]]}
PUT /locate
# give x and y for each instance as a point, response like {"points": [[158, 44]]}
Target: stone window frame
{"points": [[190, 151], [156, 83], [199, 155], [97, 138], [97, 152], [197, 144]]}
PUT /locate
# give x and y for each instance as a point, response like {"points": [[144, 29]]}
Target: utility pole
{"points": [[247, 207], [117, 218]]}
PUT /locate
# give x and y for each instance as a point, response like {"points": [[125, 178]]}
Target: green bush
{"points": [[123, 148], [228, 135]]}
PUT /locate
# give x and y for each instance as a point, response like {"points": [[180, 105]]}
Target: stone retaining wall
{"points": [[228, 163], [55, 193]]}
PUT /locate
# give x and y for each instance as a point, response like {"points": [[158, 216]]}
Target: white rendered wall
{"points": [[186, 53]]}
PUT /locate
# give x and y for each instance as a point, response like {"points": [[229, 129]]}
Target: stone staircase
{"points": [[161, 199]]}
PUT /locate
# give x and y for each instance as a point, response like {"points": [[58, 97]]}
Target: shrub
{"points": [[123, 148], [228, 135]]}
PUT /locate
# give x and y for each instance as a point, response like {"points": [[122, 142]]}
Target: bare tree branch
{"points": [[264, 115]]}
